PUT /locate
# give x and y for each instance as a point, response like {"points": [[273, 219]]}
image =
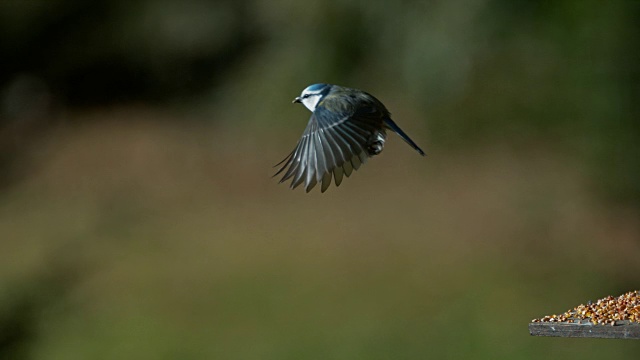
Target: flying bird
{"points": [[347, 126]]}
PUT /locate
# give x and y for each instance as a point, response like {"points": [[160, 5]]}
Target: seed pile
{"points": [[610, 310]]}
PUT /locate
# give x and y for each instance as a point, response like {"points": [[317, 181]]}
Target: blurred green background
{"points": [[139, 220]]}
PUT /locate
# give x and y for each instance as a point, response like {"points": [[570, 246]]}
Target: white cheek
{"points": [[311, 102]]}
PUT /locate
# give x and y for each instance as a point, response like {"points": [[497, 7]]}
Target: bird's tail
{"points": [[392, 125]]}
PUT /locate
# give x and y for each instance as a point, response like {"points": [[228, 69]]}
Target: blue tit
{"points": [[347, 127]]}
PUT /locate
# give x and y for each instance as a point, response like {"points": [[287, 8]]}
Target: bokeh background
{"points": [[139, 219]]}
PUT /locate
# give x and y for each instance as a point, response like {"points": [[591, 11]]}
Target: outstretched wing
{"points": [[333, 144]]}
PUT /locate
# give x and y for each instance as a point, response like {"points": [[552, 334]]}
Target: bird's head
{"points": [[312, 95]]}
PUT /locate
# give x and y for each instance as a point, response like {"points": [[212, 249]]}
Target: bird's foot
{"points": [[376, 143]]}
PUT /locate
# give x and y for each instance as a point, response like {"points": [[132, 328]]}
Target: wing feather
{"points": [[312, 166], [321, 158], [302, 164], [341, 153]]}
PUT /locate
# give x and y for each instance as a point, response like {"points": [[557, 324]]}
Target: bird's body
{"points": [[347, 126]]}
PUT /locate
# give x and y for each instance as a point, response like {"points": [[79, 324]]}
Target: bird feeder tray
{"points": [[608, 318], [621, 330]]}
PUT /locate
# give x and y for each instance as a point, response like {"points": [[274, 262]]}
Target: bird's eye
{"points": [[305, 96]]}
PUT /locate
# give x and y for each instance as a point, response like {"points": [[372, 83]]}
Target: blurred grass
{"points": [[172, 241]]}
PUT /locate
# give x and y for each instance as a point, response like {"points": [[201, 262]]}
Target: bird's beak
{"points": [[297, 100]]}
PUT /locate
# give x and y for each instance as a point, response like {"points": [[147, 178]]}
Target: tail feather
{"points": [[392, 125]]}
